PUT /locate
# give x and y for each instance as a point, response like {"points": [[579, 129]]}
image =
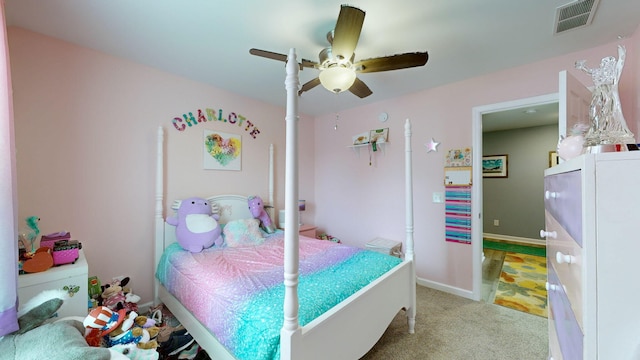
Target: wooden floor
{"points": [[491, 267]]}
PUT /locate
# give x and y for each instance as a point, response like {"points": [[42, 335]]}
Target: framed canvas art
{"points": [[495, 166], [222, 151]]}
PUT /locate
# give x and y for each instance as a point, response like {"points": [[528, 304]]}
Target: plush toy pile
{"points": [[104, 334], [42, 337], [111, 328]]}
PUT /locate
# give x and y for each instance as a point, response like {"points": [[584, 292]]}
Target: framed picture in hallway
{"points": [[553, 158], [495, 166]]}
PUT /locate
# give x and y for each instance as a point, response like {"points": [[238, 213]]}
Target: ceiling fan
{"points": [[336, 64]]}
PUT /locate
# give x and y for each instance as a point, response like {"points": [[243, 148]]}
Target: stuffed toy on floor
{"points": [[42, 337], [115, 296], [112, 329]]}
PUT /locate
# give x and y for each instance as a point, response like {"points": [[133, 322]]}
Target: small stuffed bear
{"points": [[147, 337], [101, 322], [145, 322], [196, 227], [147, 327]]}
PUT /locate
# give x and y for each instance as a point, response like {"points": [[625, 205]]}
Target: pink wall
{"points": [[630, 89], [375, 194], [85, 128]]}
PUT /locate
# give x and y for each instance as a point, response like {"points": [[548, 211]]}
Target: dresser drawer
{"points": [[554, 344], [564, 257], [562, 198], [565, 334]]}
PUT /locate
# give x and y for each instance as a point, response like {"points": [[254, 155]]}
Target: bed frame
{"points": [[348, 330]]}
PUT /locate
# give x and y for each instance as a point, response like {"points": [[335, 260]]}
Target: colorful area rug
{"points": [[517, 248], [522, 284]]}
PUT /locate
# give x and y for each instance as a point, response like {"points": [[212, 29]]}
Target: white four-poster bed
{"points": [[349, 329]]}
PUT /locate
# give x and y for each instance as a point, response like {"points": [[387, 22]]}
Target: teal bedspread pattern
{"points": [[237, 293]]}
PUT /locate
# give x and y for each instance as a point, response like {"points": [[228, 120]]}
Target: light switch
{"points": [[438, 197]]}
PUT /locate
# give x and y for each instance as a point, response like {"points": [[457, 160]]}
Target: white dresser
{"points": [[72, 278], [592, 222]]}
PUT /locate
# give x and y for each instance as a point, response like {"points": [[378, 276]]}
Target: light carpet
{"points": [[450, 327], [522, 284]]}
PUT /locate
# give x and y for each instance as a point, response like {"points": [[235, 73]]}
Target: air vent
{"points": [[575, 15]]}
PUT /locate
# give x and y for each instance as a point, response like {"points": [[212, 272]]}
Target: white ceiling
{"points": [[530, 116], [209, 40]]}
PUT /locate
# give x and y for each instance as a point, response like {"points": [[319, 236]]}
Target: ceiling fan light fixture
{"points": [[337, 78], [337, 64]]}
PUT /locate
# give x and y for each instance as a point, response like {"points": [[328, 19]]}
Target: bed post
{"points": [[159, 232], [291, 327], [272, 204], [411, 312]]}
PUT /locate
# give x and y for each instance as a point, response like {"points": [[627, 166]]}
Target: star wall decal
{"points": [[432, 146]]}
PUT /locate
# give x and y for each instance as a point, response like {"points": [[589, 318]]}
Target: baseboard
{"points": [[468, 294], [446, 288], [515, 239]]}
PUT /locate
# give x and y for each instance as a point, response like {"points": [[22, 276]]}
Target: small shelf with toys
{"points": [[374, 140]]}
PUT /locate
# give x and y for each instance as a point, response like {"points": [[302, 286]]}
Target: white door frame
{"points": [[476, 189]]}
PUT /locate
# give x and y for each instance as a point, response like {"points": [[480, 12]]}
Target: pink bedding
{"points": [[237, 292]]}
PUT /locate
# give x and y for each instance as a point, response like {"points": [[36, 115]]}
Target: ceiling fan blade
{"points": [[360, 89], [308, 64], [281, 57], [394, 62], [309, 85], [347, 31], [268, 54]]}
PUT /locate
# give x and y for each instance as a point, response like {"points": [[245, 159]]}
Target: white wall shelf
{"points": [[356, 148]]}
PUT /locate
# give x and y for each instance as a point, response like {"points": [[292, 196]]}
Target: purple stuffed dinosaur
{"points": [[256, 207], [196, 227]]}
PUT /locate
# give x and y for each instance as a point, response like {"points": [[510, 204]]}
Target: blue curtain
{"points": [[8, 196]]}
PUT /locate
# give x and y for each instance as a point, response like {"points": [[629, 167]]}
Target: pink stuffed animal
{"points": [[196, 227]]}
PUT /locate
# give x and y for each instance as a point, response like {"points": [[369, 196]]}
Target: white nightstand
{"points": [[70, 277], [385, 246], [308, 230]]}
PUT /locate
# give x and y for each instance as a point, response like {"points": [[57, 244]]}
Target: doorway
{"points": [[477, 228]]}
